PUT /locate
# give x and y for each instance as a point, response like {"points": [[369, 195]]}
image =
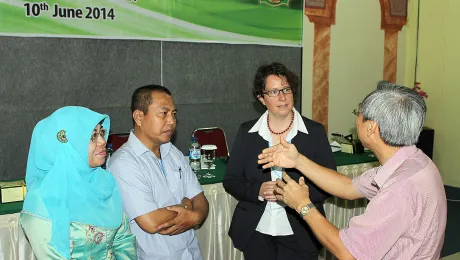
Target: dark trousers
{"points": [[266, 247]]}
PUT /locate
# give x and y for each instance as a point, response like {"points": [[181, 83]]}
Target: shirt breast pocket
{"points": [[175, 183]]}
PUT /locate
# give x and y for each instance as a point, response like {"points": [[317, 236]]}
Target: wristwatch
{"points": [[305, 210], [183, 205]]}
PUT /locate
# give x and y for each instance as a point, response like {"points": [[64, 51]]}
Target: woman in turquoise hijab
{"points": [[73, 206]]}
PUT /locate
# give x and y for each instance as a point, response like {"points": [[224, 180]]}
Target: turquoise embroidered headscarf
{"points": [[62, 187]]}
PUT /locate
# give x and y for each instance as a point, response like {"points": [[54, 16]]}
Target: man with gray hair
{"points": [[407, 212]]}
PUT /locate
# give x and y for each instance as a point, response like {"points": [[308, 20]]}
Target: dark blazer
{"points": [[244, 177]]}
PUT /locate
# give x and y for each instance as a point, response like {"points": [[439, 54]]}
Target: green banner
{"points": [[268, 22]]}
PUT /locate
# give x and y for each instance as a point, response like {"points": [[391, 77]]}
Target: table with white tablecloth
{"points": [[213, 236], [13, 242], [339, 211], [215, 243]]}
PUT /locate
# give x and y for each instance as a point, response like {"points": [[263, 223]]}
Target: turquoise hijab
{"points": [[62, 187]]}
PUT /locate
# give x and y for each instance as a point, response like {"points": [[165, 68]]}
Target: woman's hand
{"points": [[267, 190]]}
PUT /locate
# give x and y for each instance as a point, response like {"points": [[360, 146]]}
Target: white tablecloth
{"points": [[13, 243], [214, 241], [215, 244], [339, 211], [213, 236]]}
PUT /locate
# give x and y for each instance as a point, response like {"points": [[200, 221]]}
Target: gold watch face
{"points": [[305, 210]]}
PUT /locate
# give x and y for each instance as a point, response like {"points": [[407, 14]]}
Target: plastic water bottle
{"points": [[195, 154]]}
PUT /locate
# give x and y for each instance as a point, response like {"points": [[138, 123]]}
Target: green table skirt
{"points": [[342, 159]]}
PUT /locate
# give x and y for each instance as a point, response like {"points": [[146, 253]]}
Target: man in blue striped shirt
{"points": [[161, 195]]}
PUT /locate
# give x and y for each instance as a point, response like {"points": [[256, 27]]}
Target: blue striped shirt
{"points": [[148, 183]]}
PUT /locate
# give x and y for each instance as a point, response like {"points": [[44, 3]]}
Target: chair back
{"points": [[213, 135], [117, 140]]}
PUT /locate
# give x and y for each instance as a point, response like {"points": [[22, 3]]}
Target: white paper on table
{"points": [[335, 146]]}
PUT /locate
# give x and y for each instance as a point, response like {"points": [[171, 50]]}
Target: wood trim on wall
{"points": [[393, 18], [322, 14]]}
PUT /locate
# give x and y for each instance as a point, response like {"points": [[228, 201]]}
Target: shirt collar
{"points": [[393, 163], [262, 128], [139, 148]]}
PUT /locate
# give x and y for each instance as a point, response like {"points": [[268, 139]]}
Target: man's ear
{"points": [[138, 116], [261, 99], [371, 127]]}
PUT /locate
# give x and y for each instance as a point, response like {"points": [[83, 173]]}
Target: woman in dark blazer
{"points": [[262, 227]]}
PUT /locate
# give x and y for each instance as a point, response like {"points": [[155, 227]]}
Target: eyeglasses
{"points": [[356, 111], [276, 92], [95, 135]]}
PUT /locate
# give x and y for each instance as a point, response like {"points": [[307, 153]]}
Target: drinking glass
{"points": [[209, 157]]}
